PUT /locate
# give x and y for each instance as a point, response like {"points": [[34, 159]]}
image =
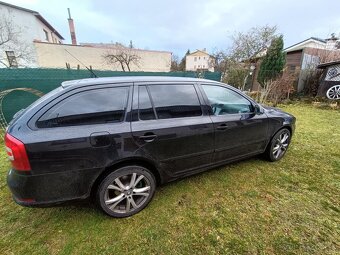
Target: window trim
{"points": [[151, 101], [32, 122], [206, 99]]}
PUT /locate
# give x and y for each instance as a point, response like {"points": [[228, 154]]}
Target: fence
{"points": [[20, 87]]}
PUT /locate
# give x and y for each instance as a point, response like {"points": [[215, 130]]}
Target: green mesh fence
{"points": [[21, 87]]}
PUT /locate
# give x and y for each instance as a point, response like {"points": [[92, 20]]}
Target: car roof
{"points": [[108, 80]]}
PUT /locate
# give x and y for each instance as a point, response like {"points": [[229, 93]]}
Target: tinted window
{"points": [[88, 107], [175, 101], [225, 101], [144, 105]]}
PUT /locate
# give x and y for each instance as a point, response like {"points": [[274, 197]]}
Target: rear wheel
{"points": [[278, 145], [126, 191]]}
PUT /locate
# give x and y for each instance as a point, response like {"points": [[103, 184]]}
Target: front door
{"points": [[239, 131]]}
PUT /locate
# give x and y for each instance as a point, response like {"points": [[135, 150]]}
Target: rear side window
{"points": [[145, 108], [87, 107], [175, 101]]}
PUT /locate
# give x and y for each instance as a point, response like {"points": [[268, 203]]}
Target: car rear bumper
{"points": [[52, 188]]}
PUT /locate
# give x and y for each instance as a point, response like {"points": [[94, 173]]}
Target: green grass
{"points": [[251, 207]]}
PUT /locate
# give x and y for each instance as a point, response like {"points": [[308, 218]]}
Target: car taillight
{"points": [[17, 153]]}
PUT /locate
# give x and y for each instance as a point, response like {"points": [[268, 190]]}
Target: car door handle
{"points": [[148, 137], [222, 127]]}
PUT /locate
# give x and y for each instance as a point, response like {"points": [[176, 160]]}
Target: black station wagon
{"points": [[118, 138]]}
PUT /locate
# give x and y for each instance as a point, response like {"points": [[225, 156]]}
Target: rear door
{"points": [[239, 131], [171, 127]]}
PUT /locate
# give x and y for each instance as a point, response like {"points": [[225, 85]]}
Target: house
{"points": [[330, 77], [199, 60], [45, 48], [29, 26], [304, 56], [72, 56]]}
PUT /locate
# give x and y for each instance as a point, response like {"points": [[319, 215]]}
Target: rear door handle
{"points": [[148, 137], [222, 127]]}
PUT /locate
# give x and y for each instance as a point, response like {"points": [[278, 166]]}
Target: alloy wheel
{"points": [[127, 193], [281, 145]]}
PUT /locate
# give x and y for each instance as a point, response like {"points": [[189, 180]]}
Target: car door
{"points": [[239, 131], [170, 127]]}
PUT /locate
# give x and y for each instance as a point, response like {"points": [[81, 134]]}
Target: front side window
{"points": [[225, 101], [88, 107], [175, 101]]}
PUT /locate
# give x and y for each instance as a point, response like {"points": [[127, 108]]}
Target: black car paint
{"points": [[67, 161]]}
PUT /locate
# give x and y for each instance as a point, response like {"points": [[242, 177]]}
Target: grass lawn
{"points": [[251, 207]]}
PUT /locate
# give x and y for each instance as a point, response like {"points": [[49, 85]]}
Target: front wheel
{"points": [[126, 191], [278, 145]]}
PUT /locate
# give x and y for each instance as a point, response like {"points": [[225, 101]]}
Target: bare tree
{"points": [[251, 44], [15, 52], [234, 63], [124, 56], [174, 63]]}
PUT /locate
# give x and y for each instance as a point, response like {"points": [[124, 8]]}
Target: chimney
{"points": [[72, 30]]}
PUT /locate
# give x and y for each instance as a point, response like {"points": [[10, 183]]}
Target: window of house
{"points": [[194, 66], [199, 58], [145, 109], [12, 60], [175, 101], [195, 58], [88, 107], [47, 38], [225, 101]]}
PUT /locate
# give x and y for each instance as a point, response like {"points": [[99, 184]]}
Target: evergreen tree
{"points": [[181, 66], [274, 61]]}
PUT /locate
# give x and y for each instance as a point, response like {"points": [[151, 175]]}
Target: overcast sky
{"points": [[179, 25]]}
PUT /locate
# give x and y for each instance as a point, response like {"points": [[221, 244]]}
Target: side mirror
{"points": [[257, 109]]}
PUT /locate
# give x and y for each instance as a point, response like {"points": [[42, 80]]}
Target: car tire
{"points": [[278, 145], [126, 191]]}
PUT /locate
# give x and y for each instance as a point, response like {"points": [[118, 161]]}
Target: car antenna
{"points": [[90, 70]]}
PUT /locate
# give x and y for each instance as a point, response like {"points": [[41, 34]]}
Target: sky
{"points": [[179, 25]]}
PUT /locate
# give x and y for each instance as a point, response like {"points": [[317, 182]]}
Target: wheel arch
{"points": [[127, 162], [287, 126]]}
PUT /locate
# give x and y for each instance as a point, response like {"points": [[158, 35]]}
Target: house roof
{"points": [[302, 44], [117, 45], [199, 53], [37, 15], [324, 65]]}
